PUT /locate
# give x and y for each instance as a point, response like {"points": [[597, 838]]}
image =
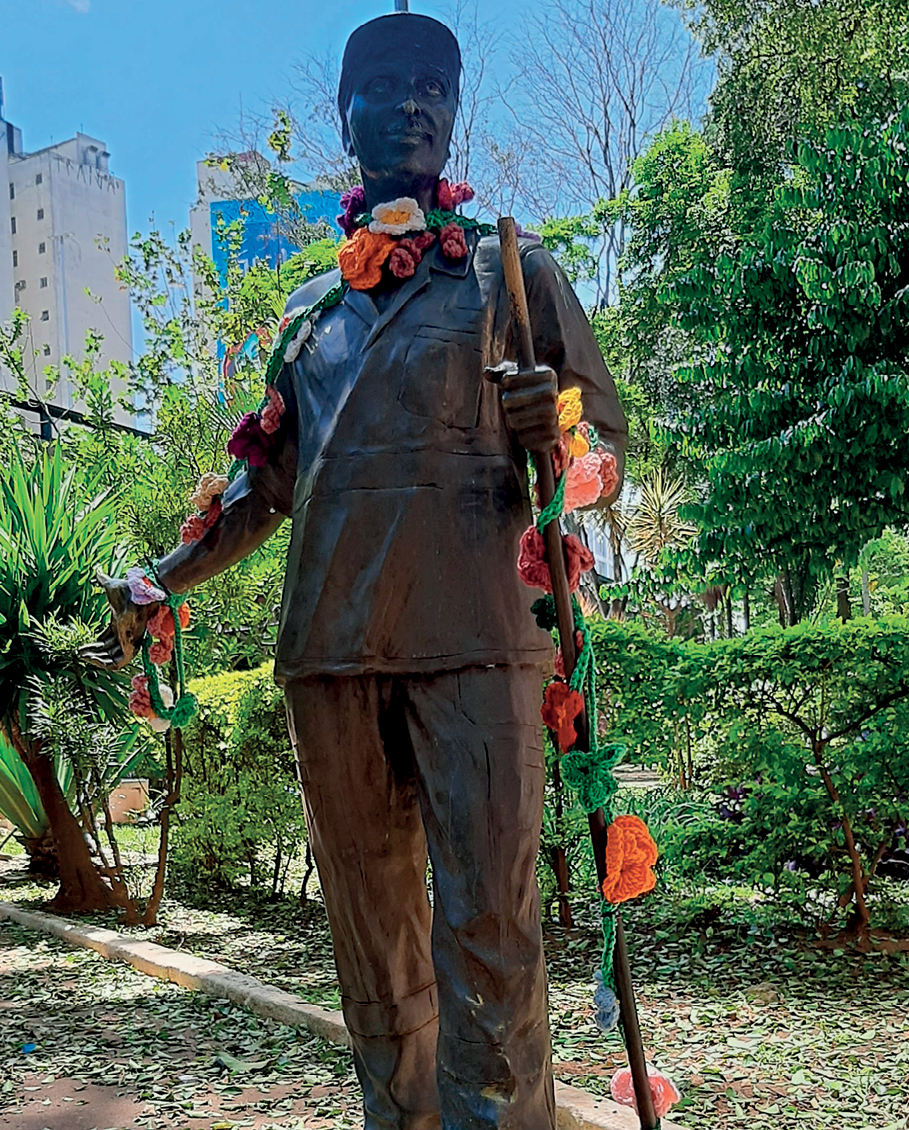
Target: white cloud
{"points": [[81, 6]]}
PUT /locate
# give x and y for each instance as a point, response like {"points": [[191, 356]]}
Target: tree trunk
{"points": [[746, 611], [843, 605], [81, 887], [42, 856], [866, 593]]}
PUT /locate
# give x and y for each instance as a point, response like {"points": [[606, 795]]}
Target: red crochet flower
{"points": [[454, 245], [559, 661], [192, 529], [161, 650], [404, 259], [561, 705], [249, 442], [424, 240], [533, 568], [213, 513]]}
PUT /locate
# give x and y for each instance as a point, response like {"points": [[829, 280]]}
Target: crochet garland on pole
{"points": [[585, 473], [388, 244]]}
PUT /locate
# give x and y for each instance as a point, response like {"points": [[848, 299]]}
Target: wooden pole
{"points": [[555, 554]]}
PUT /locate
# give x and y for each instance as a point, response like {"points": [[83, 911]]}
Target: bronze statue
{"points": [[410, 661]]}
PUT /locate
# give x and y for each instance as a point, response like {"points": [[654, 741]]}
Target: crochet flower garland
{"points": [[586, 473], [151, 698], [397, 234]]}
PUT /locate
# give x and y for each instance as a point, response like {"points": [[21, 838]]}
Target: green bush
{"points": [[240, 818], [800, 739]]}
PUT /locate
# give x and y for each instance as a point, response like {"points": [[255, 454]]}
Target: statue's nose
{"points": [[410, 107]]}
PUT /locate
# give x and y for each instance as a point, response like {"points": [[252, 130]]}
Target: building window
{"points": [[12, 224], [39, 177], [40, 213], [15, 258], [45, 315], [43, 283], [12, 191], [42, 247], [20, 285], [47, 351]]}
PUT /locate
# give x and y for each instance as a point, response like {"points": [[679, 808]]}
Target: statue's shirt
{"points": [[407, 492]]}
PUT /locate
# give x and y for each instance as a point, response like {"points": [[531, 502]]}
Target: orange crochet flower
{"points": [[361, 258], [161, 624], [561, 705], [630, 856]]}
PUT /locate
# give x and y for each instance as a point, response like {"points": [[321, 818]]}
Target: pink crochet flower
{"points": [[192, 529], [583, 485], [140, 700], [422, 241], [272, 412], [353, 203], [454, 245], [533, 569], [161, 650], [609, 473], [249, 441], [664, 1091], [141, 589]]}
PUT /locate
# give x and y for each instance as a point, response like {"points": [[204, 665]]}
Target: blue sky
{"points": [[157, 79]]}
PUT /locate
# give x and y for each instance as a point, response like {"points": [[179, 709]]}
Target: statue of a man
{"points": [[410, 661]]}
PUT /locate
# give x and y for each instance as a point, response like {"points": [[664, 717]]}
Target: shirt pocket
{"points": [[442, 377]]}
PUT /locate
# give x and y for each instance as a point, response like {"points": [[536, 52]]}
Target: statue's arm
{"points": [[254, 505], [564, 341]]}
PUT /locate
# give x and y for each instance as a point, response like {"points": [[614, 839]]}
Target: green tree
{"points": [[799, 389]]}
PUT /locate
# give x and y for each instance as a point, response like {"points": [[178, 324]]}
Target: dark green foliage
{"points": [[801, 737], [240, 817], [800, 387]]}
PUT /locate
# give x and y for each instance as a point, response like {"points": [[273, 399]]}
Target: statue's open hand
{"points": [[120, 640], [529, 402]]}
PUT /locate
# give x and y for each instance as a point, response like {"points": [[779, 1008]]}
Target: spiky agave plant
{"points": [[55, 530]]}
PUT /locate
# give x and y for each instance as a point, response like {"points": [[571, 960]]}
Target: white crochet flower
{"points": [[397, 217], [296, 343], [159, 725]]}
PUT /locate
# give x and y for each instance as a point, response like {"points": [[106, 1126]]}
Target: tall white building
{"points": [[56, 205]]}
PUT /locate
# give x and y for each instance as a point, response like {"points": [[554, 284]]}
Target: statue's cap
{"points": [[398, 33]]}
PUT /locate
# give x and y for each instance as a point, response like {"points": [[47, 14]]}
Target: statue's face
{"points": [[400, 117]]}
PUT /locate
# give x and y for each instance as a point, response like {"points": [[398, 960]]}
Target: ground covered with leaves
{"points": [[759, 1025]]}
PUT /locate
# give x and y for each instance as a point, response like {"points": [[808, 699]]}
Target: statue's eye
{"points": [[433, 88], [379, 87]]}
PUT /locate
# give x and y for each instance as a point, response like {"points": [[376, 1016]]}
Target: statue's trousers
{"points": [[446, 1007]]}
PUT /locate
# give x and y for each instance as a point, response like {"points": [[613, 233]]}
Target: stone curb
{"points": [[576, 1109]]}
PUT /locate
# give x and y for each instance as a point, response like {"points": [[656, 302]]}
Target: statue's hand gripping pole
{"points": [[520, 316]]}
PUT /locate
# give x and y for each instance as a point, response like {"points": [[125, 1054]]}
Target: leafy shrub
{"points": [[799, 736], [240, 817]]}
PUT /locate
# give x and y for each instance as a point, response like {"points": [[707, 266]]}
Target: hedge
{"points": [[800, 734], [240, 818]]}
